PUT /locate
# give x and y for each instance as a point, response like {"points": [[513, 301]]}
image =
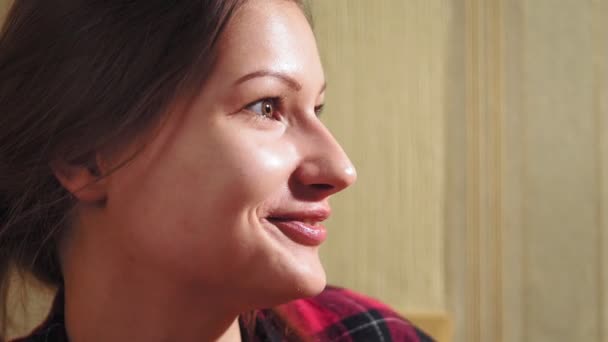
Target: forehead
{"points": [[269, 34]]}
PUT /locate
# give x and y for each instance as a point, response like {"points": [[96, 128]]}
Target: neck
{"points": [[106, 299], [113, 316]]}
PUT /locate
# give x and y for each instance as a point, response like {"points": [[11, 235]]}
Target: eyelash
{"points": [[278, 104]]}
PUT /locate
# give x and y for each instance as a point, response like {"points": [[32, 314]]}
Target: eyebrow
{"points": [[288, 80]]}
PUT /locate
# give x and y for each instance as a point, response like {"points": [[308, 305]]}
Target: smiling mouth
{"points": [[311, 223], [305, 229]]}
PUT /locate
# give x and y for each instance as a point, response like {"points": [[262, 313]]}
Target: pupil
{"points": [[267, 108]]}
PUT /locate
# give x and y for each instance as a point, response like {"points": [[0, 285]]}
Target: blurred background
{"points": [[479, 129]]}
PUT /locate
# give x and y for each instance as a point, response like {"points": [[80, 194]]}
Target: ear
{"points": [[83, 181]]}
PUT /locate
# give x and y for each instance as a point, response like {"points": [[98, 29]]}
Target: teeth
{"points": [[307, 222]]}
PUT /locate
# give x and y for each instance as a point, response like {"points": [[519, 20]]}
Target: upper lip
{"points": [[310, 216]]}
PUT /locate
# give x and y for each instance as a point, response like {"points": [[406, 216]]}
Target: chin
{"points": [[311, 286], [286, 272], [292, 286], [306, 284]]}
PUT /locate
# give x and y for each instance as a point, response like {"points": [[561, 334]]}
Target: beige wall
{"points": [[384, 64], [509, 99], [527, 262]]}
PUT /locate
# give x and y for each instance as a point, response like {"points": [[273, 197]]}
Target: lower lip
{"points": [[302, 233]]}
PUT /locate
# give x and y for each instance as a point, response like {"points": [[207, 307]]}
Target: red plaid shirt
{"points": [[335, 315]]}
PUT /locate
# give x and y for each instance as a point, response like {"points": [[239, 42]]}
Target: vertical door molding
{"points": [[600, 99], [532, 249], [475, 244]]}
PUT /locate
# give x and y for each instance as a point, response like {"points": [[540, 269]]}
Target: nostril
{"points": [[324, 187]]}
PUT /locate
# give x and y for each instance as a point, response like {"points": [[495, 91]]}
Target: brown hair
{"points": [[77, 77]]}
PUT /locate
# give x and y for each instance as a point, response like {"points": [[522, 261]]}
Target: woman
{"points": [[163, 166]]}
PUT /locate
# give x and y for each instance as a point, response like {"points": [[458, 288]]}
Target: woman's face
{"points": [[229, 196]]}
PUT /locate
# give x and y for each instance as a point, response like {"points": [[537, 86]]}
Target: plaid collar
{"points": [[335, 315]]}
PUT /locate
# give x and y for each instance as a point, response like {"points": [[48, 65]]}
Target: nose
{"points": [[325, 169]]}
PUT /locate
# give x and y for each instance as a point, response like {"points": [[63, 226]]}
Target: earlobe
{"points": [[83, 181]]}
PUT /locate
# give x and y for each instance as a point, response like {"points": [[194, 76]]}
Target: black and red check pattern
{"points": [[340, 315], [337, 315]]}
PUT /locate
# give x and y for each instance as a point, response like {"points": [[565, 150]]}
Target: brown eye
{"points": [[268, 108], [265, 108]]}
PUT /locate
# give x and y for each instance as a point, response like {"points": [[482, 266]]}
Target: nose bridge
{"points": [[324, 161]]}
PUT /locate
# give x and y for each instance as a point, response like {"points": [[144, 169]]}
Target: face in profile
{"points": [[229, 196]]}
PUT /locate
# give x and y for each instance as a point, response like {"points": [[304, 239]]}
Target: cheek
{"points": [[193, 194], [242, 169], [260, 171], [199, 184]]}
